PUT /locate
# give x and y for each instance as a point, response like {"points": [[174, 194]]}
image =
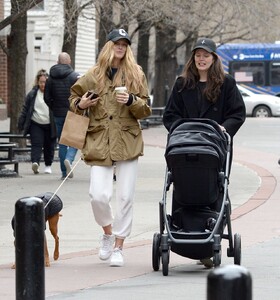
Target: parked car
{"points": [[260, 105]]}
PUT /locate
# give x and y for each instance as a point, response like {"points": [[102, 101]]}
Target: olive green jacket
{"points": [[114, 132]]}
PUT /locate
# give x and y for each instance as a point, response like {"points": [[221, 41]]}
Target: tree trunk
{"points": [[143, 45], [165, 64], [71, 15], [17, 53], [106, 23], [190, 42]]}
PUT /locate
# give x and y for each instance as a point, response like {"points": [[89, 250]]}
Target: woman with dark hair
{"points": [[205, 91], [115, 94], [37, 120]]}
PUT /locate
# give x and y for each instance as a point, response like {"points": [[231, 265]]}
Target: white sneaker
{"points": [[35, 168], [106, 246], [117, 258], [68, 168], [48, 170]]}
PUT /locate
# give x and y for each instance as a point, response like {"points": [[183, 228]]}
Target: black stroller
{"points": [[198, 161]]}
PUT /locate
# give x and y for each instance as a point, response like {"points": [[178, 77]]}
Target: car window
{"points": [[243, 93]]}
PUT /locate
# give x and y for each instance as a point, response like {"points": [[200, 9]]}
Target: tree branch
{"points": [[10, 19]]}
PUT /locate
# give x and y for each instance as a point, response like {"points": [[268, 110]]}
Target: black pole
{"points": [[29, 244], [231, 282]]}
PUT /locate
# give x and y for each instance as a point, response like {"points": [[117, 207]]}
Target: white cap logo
{"points": [[203, 42], [122, 32]]}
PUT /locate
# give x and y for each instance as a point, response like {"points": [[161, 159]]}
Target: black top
{"points": [[228, 111]]}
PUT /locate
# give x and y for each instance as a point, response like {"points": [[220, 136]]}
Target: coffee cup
{"points": [[120, 89]]}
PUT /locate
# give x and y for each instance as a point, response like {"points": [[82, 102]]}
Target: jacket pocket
{"points": [[96, 146], [134, 131], [132, 142]]}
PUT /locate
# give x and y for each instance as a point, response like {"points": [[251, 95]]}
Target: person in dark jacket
{"points": [[57, 91], [37, 120], [205, 91]]}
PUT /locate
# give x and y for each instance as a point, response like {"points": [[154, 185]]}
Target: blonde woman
{"points": [[114, 138]]}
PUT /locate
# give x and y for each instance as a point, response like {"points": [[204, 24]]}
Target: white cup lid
{"points": [[120, 89]]}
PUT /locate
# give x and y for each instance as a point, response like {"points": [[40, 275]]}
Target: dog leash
{"points": [[72, 169]]}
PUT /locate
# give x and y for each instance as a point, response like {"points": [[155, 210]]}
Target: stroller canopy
{"points": [[198, 136]]}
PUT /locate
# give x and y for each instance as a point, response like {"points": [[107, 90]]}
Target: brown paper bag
{"points": [[74, 130]]}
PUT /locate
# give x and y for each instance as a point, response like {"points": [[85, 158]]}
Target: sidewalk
{"points": [[79, 274]]}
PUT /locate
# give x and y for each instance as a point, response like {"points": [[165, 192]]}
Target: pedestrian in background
{"points": [[114, 137], [57, 91], [37, 120]]}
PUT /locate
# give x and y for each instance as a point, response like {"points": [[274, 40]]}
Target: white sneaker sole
{"points": [[104, 257], [116, 264], [35, 168]]}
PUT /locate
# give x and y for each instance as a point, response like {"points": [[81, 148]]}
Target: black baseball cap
{"points": [[206, 44], [117, 34]]}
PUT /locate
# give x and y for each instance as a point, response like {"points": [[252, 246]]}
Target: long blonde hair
{"points": [[129, 73]]}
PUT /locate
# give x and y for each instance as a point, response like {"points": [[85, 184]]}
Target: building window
{"points": [[38, 43], [38, 7], [37, 48]]}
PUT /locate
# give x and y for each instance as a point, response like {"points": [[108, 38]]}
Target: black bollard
{"points": [[29, 245], [231, 282]]}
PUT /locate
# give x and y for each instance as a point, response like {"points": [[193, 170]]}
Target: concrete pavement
{"points": [[79, 274]]}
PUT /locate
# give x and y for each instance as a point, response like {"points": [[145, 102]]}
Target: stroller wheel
{"points": [[217, 259], [156, 251], [237, 249], [165, 262]]}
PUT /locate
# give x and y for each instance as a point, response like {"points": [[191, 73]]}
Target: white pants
{"points": [[101, 192]]}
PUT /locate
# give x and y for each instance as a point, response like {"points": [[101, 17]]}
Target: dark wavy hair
{"points": [[215, 77]]}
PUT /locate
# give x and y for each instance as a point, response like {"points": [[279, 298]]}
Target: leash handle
{"points": [[72, 169]]}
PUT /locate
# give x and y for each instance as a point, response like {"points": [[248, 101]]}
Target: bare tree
{"points": [[18, 12], [16, 52], [72, 12], [16, 64], [165, 63], [71, 15], [144, 27], [105, 14]]}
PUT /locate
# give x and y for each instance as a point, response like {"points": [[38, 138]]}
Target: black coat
{"points": [[24, 120], [57, 89], [228, 111]]}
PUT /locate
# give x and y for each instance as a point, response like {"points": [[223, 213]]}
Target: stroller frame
{"points": [[164, 241]]}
